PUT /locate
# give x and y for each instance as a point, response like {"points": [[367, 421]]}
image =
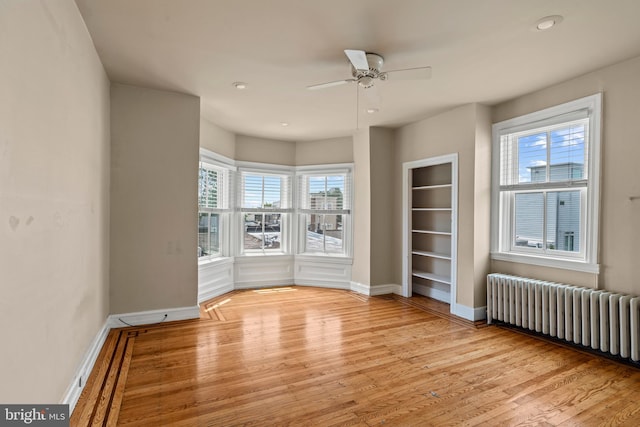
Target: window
{"points": [[324, 215], [545, 186], [213, 207], [265, 206]]}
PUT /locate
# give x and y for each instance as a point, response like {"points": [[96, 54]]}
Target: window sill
{"points": [[326, 258], [248, 256], [214, 261], [565, 264]]}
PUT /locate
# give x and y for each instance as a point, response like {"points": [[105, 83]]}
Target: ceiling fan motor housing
{"points": [[365, 77]]}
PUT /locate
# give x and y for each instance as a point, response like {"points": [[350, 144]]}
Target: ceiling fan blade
{"points": [[330, 84], [419, 73], [358, 59]]}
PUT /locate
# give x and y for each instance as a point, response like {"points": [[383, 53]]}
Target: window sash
{"points": [[323, 185], [265, 192], [510, 160], [510, 240]]}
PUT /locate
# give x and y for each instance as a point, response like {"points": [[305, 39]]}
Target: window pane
{"points": [[567, 153], [272, 192], [214, 234], [324, 233], [532, 158], [262, 231], [333, 234], [529, 219], [208, 188], [252, 191], [208, 234], [203, 234], [563, 221]]}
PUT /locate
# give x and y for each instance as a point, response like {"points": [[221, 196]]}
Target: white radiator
{"points": [[605, 321]]}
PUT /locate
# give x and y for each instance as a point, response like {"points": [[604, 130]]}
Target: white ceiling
{"points": [[482, 51]]}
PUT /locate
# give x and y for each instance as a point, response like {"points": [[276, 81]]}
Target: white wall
{"points": [[382, 170], [361, 270], [54, 198], [216, 139], [619, 217], [154, 176], [325, 151], [262, 150]]}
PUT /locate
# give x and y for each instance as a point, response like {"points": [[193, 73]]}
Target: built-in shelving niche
{"points": [[431, 220]]}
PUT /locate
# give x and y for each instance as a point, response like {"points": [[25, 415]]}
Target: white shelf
{"points": [[431, 187], [432, 209], [441, 233], [431, 254], [432, 277]]}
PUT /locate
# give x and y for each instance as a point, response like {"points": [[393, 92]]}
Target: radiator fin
{"points": [[602, 320]]}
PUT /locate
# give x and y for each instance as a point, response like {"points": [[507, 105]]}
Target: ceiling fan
{"points": [[366, 69]]}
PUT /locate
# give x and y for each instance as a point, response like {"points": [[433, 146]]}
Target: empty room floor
{"points": [[311, 356]]}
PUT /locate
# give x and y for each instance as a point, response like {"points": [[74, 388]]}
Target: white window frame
{"points": [[502, 223], [225, 167], [303, 172], [287, 173]]}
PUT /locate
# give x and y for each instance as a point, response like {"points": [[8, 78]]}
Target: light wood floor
{"points": [[319, 357]]}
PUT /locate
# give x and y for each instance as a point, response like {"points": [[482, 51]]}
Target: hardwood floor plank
{"points": [[320, 357]]}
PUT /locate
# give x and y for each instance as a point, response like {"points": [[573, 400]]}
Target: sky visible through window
{"points": [[567, 146], [255, 197]]}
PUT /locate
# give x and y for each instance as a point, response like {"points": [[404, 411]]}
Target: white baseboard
{"points": [[470, 313], [153, 316], [385, 289], [74, 390], [323, 284], [373, 290], [257, 284], [360, 288]]}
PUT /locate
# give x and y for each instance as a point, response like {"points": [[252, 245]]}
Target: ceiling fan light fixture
{"points": [[548, 22], [239, 85], [366, 82]]}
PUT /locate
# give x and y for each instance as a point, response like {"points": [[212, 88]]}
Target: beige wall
{"points": [[455, 131], [619, 217], [361, 269], [54, 198], [252, 149], [326, 151], [154, 169], [481, 204], [381, 187], [216, 139]]}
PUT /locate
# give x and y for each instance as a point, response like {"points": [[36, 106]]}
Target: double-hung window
{"points": [[265, 208], [545, 186], [324, 214], [213, 208]]}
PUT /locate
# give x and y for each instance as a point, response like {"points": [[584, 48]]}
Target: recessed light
{"points": [[548, 22], [239, 85], [372, 110], [284, 124]]}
